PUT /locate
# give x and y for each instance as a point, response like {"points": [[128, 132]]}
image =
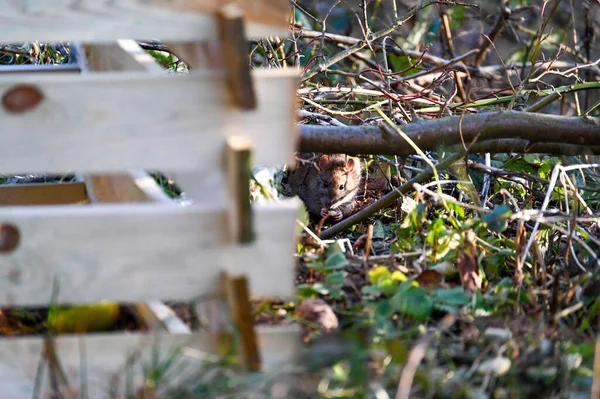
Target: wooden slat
{"points": [[102, 21], [119, 56], [43, 194], [105, 356], [48, 68], [234, 47], [158, 315], [130, 253], [150, 187], [199, 55], [238, 153], [81, 124], [124, 55], [111, 189]]}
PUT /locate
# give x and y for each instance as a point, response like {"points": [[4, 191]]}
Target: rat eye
{"points": [[342, 187], [326, 184]]}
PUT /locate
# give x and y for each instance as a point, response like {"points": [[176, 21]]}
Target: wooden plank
{"points": [[114, 188], [155, 122], [48, 68], [43, 194], [105, 355], [158, 315], [202, 186], [268, 12], [123, 55], [238, 152], [133, 186], [150, 187], [238, 297], [127, 253], [199, 55], [102, 21], [234, 47]]}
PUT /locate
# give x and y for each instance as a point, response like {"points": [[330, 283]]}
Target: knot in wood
{"points": [[21, 98]]}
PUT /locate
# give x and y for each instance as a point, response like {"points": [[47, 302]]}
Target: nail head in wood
{"points": [[21, 98], [235, 51]]}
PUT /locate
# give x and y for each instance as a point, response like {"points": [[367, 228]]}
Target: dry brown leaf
{"points": [[467, 263]]}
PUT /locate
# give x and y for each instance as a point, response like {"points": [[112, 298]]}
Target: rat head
{"points": [[340, 177]]}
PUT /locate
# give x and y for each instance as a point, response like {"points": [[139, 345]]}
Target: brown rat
{"points": [[326, 183]]}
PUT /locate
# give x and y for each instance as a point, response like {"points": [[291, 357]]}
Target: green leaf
{"points": [[335, 261], [453, 296], [307, 290], [402, 63], [378, 273], [497, 220], [371, 290], [412, 301], [84, 318], [335, 279], [457, 209]]}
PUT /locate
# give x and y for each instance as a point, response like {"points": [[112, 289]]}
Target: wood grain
{"points": [[238, 153], [135, 186], [43, 194], [105, 21], [114, 188], [268, 12], [123, 55], [235, 51], [82, 125], [105, 356], [136, 253], [238, 297]]}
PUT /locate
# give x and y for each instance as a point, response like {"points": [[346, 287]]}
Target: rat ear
{"points": [[350, 165], [324, 162]]}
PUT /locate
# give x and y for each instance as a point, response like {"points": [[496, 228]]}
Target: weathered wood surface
{"points": [[43, 194], [115, 188], [123, 55], [93, 123], [105, 21], [136, 253], [105, 355], [49, 68]]}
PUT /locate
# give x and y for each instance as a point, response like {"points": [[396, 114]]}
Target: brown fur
{"points": [[326, 182]]}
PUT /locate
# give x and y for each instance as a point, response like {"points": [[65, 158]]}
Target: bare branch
{"points": [[533, 129]]}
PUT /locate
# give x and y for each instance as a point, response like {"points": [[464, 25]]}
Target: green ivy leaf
{"points": [[307, 290], [335, 279], [335, 261], [452, 296], [371, 290], [412, 301]]}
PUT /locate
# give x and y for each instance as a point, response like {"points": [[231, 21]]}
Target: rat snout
{"points": [[327, 202]]}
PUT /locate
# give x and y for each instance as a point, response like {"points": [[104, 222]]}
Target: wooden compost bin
{"points": [[110, 117]]}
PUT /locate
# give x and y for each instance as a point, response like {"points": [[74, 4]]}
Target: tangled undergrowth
{"points": [[477, 278]]}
